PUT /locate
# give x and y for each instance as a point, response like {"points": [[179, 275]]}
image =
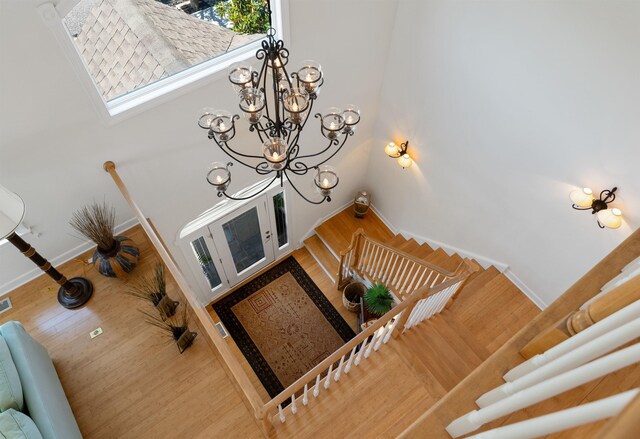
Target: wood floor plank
{"points": [[131, 381]]}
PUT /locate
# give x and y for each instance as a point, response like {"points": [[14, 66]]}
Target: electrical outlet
{"points": [[96, 332]]}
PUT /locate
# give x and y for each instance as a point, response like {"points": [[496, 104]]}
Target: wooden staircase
{"points": [[419, 367], [334, 236]]}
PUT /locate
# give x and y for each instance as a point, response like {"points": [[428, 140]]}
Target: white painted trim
{"points": [[484, 261], [166, 89], [384, 219], [320, 263], [509, 274], [312, 231], [60, 259], [449, 249]]}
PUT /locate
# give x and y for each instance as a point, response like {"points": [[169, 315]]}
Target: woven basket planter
{"points": [[119, 261], [351, 296]]}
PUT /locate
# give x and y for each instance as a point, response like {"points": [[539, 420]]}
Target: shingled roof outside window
{"points": [[127, 44]]}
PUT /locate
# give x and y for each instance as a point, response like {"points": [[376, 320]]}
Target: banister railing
{"points": [[600, 354], [424, 288], [359, 348], [402, 272], [230, 363]]}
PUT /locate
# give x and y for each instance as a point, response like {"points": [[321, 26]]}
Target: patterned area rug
{"points": [[283, 324]]}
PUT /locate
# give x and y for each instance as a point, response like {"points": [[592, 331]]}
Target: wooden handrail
{"points": [[461, 399], [416, 296], [580, 320], [414, 258], [232, 367], [624, 426]]}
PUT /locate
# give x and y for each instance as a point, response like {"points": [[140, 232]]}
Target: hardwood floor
{"points": [[131, 381]]}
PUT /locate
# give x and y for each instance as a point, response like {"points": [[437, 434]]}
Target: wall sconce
{"points": [[400, 153], [583, 199]]}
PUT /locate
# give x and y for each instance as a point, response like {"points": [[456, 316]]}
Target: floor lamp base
{"points": [[82, 295]]}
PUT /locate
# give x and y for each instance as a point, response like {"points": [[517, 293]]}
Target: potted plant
{"points": [[114, 255], [176, 327], [378, 299], [153, 289]]}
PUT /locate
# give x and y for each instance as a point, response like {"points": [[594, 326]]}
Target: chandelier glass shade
{"points": [[277, 105]]}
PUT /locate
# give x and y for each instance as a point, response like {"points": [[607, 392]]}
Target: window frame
{"points": [[163, 90]]}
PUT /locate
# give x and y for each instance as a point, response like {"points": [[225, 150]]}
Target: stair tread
{"points": [[397, 241], [410, 246], [441, 259], [323, 255], [493, 298], [424, 251]]}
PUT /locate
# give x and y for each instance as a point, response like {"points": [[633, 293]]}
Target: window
{"points": [[201, 251], [129, 45], [281, 219]]}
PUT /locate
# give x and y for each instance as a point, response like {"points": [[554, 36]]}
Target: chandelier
{"points": [[277, 106]]}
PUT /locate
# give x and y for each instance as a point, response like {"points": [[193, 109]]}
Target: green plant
{"points": [[247, 16], [96, 222], [378, 299]]}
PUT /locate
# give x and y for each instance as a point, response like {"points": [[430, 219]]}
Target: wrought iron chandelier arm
{"points": [[344, 140], [300, 193], [223, 147], [250, 196], [576, 207], [332, 142]]}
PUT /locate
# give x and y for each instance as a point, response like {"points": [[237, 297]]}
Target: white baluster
{"points": [[363, 255], [374, 337], [361, 352], [411, 272], [402, 272], [563, 419], [389, 271], [281, 413], [579, 356], [374, 263], [383, 266], [393, 327], [383, 333], [545, 390], [336, 376], [294, 407], [347, 368], [316, 388], [426, 281], [411, 286], [615, 320], [327, 381], [305, 395]]}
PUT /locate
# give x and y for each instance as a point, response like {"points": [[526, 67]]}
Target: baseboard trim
{"points": [[482, 260], [509, 274], [60, 259], [384, 219]]}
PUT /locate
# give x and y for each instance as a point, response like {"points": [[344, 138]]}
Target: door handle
{"points": [[268, 233]]}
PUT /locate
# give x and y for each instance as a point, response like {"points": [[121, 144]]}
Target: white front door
{"points": [[244, 240]]}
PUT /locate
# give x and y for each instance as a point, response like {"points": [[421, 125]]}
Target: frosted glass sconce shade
{"points": [[611, 218], [11, 211], [582, 197]]}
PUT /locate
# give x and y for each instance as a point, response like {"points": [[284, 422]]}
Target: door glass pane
{"points": [[281, 218], [206, 262], [245, 239]]}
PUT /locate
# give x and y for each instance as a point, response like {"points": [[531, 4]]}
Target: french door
{"points": [[227, 245], [243, 239]]}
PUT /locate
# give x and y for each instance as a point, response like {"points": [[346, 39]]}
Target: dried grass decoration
{"points": [[153, 289], [115, 255], [176, 327]]}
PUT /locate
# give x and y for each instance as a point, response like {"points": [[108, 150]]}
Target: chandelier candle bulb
{"points": [[326, 180], [219, 176], [241, 76]]}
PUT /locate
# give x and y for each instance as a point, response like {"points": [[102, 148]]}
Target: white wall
{"points": [[508, 106], [52, 143]]}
